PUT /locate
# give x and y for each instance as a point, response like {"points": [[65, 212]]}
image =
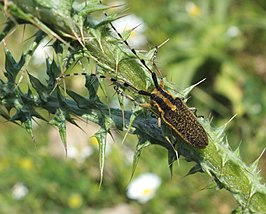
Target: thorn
{"points": [[132, 29], [196, 84], [231, 119], [112, 136], [255, 163], [163, 43], [237, 150]]}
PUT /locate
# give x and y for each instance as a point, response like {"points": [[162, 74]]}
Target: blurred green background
{"points": [[222, 41]]}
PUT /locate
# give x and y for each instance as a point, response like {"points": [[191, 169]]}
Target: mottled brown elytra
{"points": [[173, 111], [177, 115]]}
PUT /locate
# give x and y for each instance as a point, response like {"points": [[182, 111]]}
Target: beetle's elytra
{"points": [[177, 116]]}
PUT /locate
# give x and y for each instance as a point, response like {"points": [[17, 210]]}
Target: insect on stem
{"points": [[172, 110]]}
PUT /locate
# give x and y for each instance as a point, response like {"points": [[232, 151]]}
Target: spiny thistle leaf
{"points": [[28, 127], [135, 111], [11, 66], [59, 120], [141, 145], [40, 88], [101, 138]]}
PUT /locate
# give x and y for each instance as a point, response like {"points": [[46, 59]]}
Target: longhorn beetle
{"points": [[173, 111]]}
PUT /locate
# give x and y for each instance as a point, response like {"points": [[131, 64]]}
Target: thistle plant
{"points": [[79, 31]]}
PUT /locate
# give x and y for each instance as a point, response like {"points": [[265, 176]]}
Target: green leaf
{"points": [[59, 120], [101, 138], [11, 66], [141, 145], [28, 127]]}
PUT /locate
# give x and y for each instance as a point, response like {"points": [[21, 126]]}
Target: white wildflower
{"points": [[143, 188], [233, 31], [19, 191]]}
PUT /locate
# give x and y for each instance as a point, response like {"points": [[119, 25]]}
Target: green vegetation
{"points": [[221, 41]]}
